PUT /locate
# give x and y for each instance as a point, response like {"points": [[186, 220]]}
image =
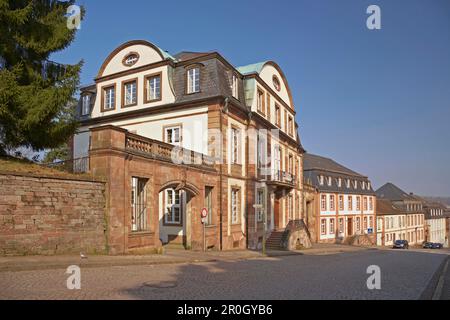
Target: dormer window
{"points": [[329, 181], [260, 101], [130, 59], [321, 178], [363, 185], [347, 183], [235, 87], [193, 80], [85, 104], [368, 185], [355, 184], [339, 182]]}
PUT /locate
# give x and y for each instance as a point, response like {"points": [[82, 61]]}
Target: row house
{"points": [[239, 123], [401, 216], [395, 223], [436, 223], [447, 223], [344, 203]]}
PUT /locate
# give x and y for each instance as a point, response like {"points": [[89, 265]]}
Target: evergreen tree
{"points": [[36, 95]]}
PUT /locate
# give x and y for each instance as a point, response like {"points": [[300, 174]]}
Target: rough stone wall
{"points": [[45, 215]]}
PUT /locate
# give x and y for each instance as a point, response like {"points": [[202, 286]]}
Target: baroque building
{"points": [[402, 216], [340, 204], [173, 134]]}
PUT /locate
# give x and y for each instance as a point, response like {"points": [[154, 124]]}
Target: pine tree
{"points": [[36, 95]]}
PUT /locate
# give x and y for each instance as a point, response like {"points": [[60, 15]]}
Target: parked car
{"points": [[427, 245], [432, 245], [400, 244], [437, 245]]}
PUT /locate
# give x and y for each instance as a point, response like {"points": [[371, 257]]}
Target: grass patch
{"points": [[16, 165]]}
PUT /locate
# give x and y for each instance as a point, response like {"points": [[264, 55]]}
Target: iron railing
{"points": [[78, 165], [284, 177]]}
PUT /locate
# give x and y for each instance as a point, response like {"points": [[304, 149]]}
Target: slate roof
{"points": [[188, 55], [392, 192], [386, 207], [314, 166], [315, 162]]}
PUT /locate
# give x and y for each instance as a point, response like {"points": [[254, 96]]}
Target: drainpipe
{"points": [[222, 110]]}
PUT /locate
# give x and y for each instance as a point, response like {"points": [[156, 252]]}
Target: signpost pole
{"points": [[264, 233], [204, 236], [204, 215]]}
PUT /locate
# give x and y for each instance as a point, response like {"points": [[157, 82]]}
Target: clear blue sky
{"points": [[375, 101]]}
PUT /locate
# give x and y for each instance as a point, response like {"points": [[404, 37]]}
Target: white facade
{"points": [[437, 230]]}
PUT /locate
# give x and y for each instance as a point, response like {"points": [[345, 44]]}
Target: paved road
{"points": [[404, 275]]}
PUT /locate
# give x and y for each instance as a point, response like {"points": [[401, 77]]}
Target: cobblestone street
{"points": [[404, 275]]}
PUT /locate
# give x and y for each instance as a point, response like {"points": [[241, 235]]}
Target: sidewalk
{"points": [[171, 256]]}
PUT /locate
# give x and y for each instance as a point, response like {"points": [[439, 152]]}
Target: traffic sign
{"points": [[204, 213]]}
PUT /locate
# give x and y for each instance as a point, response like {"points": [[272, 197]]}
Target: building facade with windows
{"points": [[402, 216], [344, 204], [241, 119], [396, 223], [436, 223]]}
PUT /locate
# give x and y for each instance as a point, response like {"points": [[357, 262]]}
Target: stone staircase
{"points": [[274, 241]]}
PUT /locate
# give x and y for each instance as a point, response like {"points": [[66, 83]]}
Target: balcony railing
{"points": [[283, 177], [166, 152]]}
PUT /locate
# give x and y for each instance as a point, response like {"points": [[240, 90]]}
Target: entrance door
{"points": [[350, 226], [276, 213]]}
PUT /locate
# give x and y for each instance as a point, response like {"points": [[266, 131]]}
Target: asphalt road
{"points": [[404, 275]]}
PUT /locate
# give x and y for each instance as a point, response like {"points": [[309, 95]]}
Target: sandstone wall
{"points": [[47, 215]]}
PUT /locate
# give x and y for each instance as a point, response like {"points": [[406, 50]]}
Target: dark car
{"points": [[436, 245], [400, 244], [427, 245]]}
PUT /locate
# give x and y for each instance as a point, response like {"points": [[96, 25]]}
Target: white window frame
{"points": [[85, 105], [130, 93], [235, 206], [131, 59], [174, 129], [332, 229], [110, 98], [260, 195], [193, 80], [332, 203], [153, 87], [235, 146], [235, 86], [323, 227], [138, 204], [171, 206], [323, 202]]}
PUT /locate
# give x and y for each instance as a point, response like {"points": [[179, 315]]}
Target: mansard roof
{"points": [[188, 55], [391, 192], [316, 166], [315, 162], [386, 207]]}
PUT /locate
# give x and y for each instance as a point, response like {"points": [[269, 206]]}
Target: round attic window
{"points": [[130, 59], [276, 83]]}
